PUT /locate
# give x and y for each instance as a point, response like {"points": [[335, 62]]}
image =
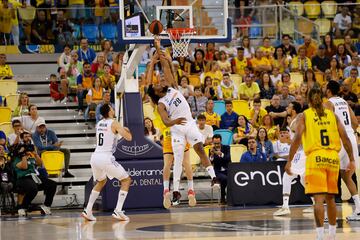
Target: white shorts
{"points": [[344, 158], [298, 163], [103, 165], [188, 133]]}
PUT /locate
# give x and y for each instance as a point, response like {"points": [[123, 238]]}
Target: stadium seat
{"points": [[297, 6], [6, 127], [148, 110], [108, 31], [297, 78], [226, 136], [194, 80], [53, 162], [8, 87], [324, 26], [255, 32], [219, 107], [12, 101], [305, 27], [329, 8], [91, 32], [312, 9], [237, 79], [236, 151], [5, 114], [287, 26], [241, 107], [265, 103]]}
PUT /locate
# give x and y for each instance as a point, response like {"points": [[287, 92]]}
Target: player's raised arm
{"points": [[300, 128], [347, 144], [150, 72], [123, 131], [165, 118]]}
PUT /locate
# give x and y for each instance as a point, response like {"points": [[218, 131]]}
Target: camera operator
{"points": [[220, 157], [28, 180]]}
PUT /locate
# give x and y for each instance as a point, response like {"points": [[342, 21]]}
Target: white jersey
{"points": [[105, 138], [341, 110], [292, 129], [176, 105]]}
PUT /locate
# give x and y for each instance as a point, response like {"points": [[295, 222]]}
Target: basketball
{"points": [[156, 27]]}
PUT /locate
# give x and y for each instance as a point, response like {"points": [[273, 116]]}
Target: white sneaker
{"points": [[191, 197], [45, 209], [308, 210], [53, 101], [22, 212], [354, 217], [80, 112], [282, 211], [167, 199], [65, 99], [120, 215], [88, 216]]}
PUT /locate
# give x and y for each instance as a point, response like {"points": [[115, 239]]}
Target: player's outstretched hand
{"points": [[180, 121], [351, 167], [288, 168]]}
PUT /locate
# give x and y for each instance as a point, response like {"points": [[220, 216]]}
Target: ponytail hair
{"points": [[315, 100]]}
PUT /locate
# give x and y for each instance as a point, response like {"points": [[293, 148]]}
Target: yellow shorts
{"points": [[167, 146], [322, 172]]}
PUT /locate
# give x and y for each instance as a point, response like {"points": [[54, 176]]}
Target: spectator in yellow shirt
{"points": [[249, 90], [286, 81], [354, 82], [7, 14], [5, 70], [280, 60], [215, 74], [260, 63], [239, 63], [257, 113], [301, 63], [227, 90], [267, 49], [309, 46], [212, 118]]}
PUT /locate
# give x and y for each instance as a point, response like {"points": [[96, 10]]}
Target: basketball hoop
{"points": [[180, 39]]}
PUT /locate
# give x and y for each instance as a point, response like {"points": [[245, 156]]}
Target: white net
{"points": [[180, 39]]}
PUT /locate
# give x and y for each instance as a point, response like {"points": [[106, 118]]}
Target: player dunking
{"points": [[319, 130], [297, 166], [168, 80], [103, 163], [342, 110]]}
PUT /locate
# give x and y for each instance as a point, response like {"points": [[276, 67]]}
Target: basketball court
{"points": [[202, 222]]}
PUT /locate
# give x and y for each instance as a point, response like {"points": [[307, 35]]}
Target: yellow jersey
{"points": [[158, 123], [320, 133], [240, 66], [5, 71], [355, 85], [212, 119]]}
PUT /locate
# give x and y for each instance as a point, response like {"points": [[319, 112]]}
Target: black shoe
{"points": [[176, 198], [350, 200], [223, 201], [68, 175], [215, 183], [338, 200]]}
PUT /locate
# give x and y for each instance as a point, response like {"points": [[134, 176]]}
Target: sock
{"points": [[93, 196], [320, 232], [190, 184], [166, 185], [313, 200], [177, 170], [357, 203], [285, 201], [211, 171], [121, 200], [332, 230]]}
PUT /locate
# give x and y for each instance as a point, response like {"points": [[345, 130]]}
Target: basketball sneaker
{"points": [[120, 215], [191, 197], [45, 210], [215, 183], [22, 212], [88, 216], [354, 217], [282, 211], [308, 210], [167, 199], [176, 198]]}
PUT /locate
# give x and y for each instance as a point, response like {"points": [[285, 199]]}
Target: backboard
{"points": [[210, 20]]}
